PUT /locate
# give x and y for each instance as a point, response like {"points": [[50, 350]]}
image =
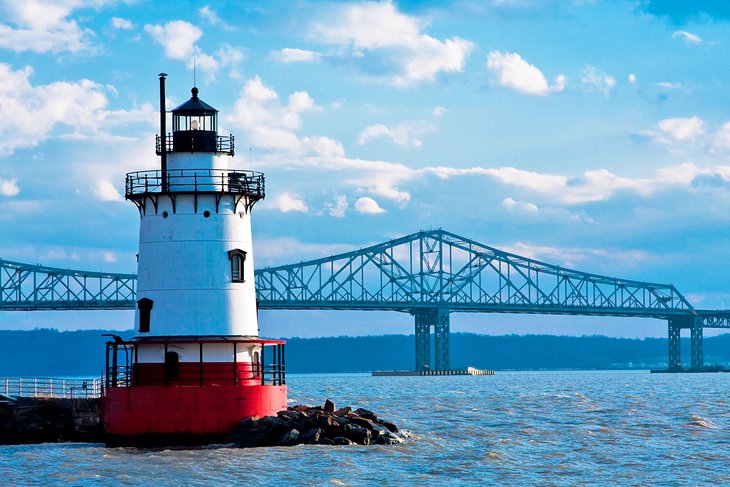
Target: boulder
{"points": [[358, 434], [312, 436], [321, 425], [329, 406], [366, 414], [343, 411], [360, 421], [391, 427], [287, 415], [275, 424], [289, 438]]}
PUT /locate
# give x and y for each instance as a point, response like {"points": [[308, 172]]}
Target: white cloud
{"points": [[591, 186], [178, 38], [270, 124], [338, 207], [106, 191], [9, 187], [597, 80], [515, 73], [43, 26], [669, 86], [368, 206], [209, 14], [439, 111], [286, 202], [273, 251], [405, 133], [390, 46], [687, 37], [289, 55], [29, 114], [574, 257], [721, 138], [683, 129], [122, 24], [512, 204]]}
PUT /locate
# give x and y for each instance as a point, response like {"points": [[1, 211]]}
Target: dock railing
{"points": [[51, 388]]}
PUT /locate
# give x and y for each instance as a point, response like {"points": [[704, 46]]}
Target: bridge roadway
{"points": [[429, 274]]}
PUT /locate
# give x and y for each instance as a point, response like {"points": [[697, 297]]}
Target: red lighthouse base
{"points": [[189, 403], [153, 415]]}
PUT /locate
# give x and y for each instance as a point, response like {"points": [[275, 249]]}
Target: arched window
{"points": [[238, 258]]}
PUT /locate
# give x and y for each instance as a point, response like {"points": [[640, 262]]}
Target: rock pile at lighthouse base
{"points": [[318, 425]]}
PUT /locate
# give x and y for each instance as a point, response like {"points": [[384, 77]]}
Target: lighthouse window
{"points": [[145, 310], [238, 257]]}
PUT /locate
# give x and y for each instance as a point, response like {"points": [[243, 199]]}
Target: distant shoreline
{"points": [[53, 353]]}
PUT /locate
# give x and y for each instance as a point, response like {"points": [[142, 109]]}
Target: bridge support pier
{"points": [[696, 336], [440, 321], [694, 324], [423, 341], [675, 345], [442, 327]]}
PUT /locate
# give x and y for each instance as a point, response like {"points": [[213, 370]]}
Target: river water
{"points": [[513, 428]]}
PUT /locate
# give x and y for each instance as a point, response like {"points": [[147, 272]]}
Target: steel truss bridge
{"points": [[429, 274]]}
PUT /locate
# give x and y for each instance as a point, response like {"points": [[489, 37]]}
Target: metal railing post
{"points": [[263, 365]]}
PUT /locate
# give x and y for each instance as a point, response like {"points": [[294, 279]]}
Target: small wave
{"points": [[493, 455], [700, 422]]}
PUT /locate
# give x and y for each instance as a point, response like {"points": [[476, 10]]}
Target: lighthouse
{"points": [[195, 366]]}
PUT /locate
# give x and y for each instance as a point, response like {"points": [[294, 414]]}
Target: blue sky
{"points": [[590, 134]]}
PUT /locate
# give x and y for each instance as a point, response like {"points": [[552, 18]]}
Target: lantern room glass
{"points": [[207, 123]]}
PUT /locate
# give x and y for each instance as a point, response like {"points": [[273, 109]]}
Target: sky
{"points": [[586, 133]]}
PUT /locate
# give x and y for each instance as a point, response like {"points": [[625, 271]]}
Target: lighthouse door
{"points": [[172, 365]]}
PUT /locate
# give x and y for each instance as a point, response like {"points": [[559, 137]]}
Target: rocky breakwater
{"points": [[318, 425], [40, 420]]}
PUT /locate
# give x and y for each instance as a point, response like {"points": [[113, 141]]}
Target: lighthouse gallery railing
{"points": [[248, 183]]}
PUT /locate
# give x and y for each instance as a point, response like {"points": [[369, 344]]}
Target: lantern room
{"points": [[195, 129], [194, 114]]}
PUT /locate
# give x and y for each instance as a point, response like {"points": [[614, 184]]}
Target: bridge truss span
{"points": [[34, 287], [440, 269]]}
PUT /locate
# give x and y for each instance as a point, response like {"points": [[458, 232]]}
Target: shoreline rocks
{"points": [[316, 425], [46, 420], [39, 420]]}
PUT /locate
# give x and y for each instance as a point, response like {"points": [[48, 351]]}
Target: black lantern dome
{"points": [[195, 128], [194, 114]]}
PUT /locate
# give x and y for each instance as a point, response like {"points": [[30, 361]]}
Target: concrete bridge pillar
{"points": [[423, 340], [696, 337], [439, 320], [675, 340], [442, 328]]}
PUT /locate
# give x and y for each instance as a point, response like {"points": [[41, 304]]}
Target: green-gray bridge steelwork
{"points": [[428, 274]]}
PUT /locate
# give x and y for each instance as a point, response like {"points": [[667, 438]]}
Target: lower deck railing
{"points": [[44, 387]]}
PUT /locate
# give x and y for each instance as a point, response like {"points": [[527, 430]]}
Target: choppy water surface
{"points": [[563, 428]]}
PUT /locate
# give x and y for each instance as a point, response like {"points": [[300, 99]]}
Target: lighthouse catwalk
{"points": [[195, 366]]}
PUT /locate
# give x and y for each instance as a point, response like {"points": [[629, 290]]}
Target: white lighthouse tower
{"points": [[195, 366]]}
